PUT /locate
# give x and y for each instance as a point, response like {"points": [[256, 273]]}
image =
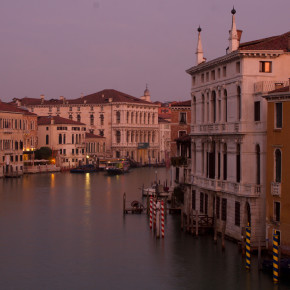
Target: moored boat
{"points": [[84, 169], [118, 166]]}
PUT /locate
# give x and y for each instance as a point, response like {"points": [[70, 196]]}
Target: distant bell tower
{"points": [[146, 96], [199, 51], [234, 37]]}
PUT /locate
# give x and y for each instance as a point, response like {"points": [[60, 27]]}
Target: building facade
{"points": [[228, 131], [164, 146], [278, 155], [17, 126], [129, 124], [64, 136]]}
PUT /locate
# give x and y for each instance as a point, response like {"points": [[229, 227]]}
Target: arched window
{"points": [[118, 117], [78, 117], [132, 117], [128, 117], [258, 164], [225, 105], [92, 119], [239, 103], [278, 165], [102, 119]]}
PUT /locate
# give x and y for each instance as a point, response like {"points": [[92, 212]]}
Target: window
{"points": [[225, 162], [78, 117], [238, 164], [118, 136], [278, 164], [224, 209], [258, 162], [102, 119], [70, 117], [201, 202], [225, 105], [193, 81], [239, 103], [219, 72], [92, 119], [46, 139], [182, 118], [224, 71], [279, 115], [118, 117], [266, 66], [193, 196], [238, 67], [257, 111], [207, 76], [212, 75], [237, 213], [277, 211], [205, 203], [70, 109], [101, 133], [180, 134], [59, 139], [218, 204], [202, 78]]}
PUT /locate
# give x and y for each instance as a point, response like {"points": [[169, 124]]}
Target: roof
{"points": [[165, 116], [182, 104], [281, 90], [46, 120], [101, 97], [91, 135], [5, 107], [279, 42]]}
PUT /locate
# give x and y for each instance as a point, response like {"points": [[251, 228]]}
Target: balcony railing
{"points": [[276, 188]]}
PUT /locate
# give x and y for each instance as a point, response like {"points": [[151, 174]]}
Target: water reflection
{"points": [[78, 238]]}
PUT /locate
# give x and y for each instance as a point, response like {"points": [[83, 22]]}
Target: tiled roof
{"points": [[5, 107], [91, 135], [279, 42], [46, 120], [164, 115], [281, 90], [181, 104], [101, 97]]}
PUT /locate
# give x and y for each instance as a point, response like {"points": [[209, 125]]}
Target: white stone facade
{"points": [[228, 135]]}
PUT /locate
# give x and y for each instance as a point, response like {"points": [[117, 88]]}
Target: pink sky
{"points": [[68, 47]]}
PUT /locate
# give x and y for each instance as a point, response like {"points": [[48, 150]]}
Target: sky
{"points": [[69, 47]]}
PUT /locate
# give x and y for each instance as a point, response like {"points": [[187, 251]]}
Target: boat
{"points": [[157, 190], [84, 169], [118, 166]]}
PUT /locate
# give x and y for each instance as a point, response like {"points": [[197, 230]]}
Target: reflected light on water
{"points": [[87, 193], [52, 180]]}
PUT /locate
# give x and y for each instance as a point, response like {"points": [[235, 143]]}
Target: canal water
{"points": [[67, 231]]}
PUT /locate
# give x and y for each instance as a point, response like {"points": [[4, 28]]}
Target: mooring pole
{"points": [[275, 258], [151, 212], [248, 247], [158, 220], [196, 223], [215, 229], [124, 203], [162, 219]]}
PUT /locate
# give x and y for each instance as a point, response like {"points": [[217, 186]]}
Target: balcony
{"points": [[267, 86], [220, 128], [276, 188]]}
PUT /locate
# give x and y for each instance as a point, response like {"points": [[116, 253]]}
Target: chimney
{"points": [[42, 99], [278, 86], [103, 95], [61, 98], [52, 121]]}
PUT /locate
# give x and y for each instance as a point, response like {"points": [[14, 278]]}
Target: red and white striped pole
{"points": [[162, 219], [151, 212], [154, 213]]}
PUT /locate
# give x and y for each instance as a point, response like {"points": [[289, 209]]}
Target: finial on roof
{"points": [[199, 29], [234, 10]]}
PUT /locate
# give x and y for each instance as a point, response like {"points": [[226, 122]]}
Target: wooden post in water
{"points": [[196, 223], [215, 229], [124, 203], [223, 235], [191, 216], [181, 219], [259, 255]]}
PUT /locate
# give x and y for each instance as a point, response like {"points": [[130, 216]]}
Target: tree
{"points": [[43, 153]]}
